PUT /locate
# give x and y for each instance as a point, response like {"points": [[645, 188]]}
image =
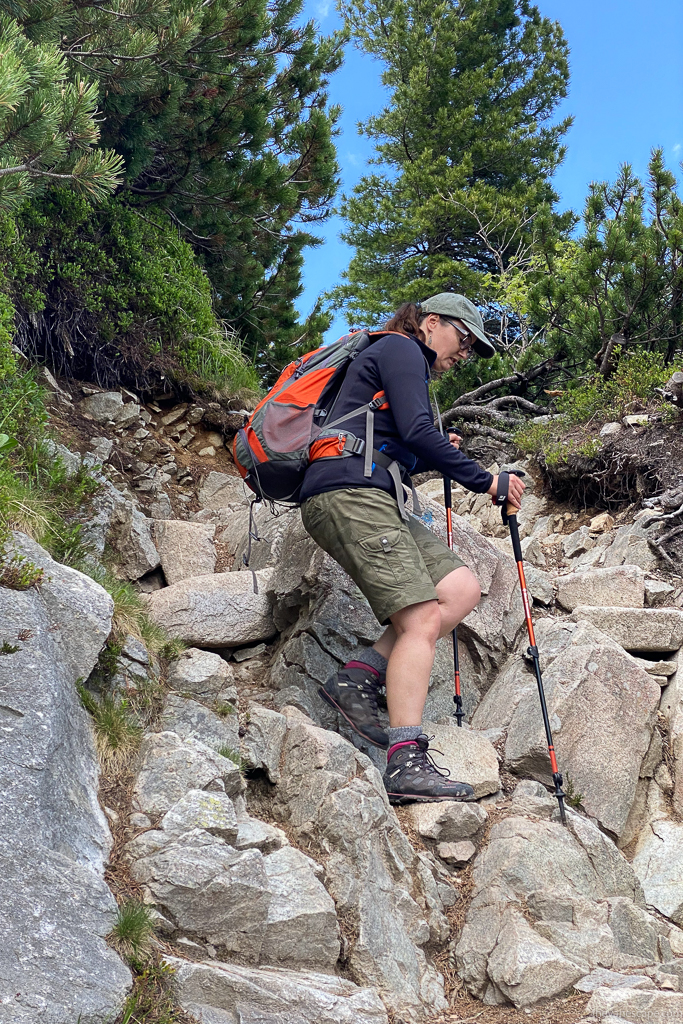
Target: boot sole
{"points": [[333, 704], [408, 798]]}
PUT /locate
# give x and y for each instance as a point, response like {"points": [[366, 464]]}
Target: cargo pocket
{"points": [[389, 556]]}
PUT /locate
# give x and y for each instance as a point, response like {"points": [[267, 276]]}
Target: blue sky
{"points": [[626, 96]]}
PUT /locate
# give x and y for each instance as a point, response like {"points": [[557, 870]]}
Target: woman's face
{"points": [[450, 345]]}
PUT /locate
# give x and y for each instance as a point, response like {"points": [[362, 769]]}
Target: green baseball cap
{"points": [[457, 307]]}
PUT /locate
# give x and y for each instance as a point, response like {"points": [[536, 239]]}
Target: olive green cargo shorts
{"points": [[394, 563]]}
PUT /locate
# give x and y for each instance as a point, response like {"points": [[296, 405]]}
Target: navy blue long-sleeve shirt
{"points": [[399, 366]]}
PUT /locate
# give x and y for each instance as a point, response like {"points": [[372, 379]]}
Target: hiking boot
{"points": [[353, 693], [411, 775]]}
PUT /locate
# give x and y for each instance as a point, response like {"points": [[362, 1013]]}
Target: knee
{"points": [[471, 591], [420, 620], [459, 593]]}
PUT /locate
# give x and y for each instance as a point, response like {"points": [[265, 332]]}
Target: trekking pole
{"points": [[509, 513], [448, 502]]}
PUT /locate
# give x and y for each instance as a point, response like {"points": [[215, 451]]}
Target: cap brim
{"points": [[483, 347]]}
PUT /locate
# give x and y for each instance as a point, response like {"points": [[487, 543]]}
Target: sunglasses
{"points": [[466, 339]]}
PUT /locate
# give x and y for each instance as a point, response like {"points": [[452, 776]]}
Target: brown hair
{"points": [[406, 320]]}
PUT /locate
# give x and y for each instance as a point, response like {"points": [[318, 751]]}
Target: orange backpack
{"points": [[293, 425]]}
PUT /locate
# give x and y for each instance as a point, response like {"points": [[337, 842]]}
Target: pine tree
{"points": [[465, 135], [221, 114], [48, 125], [622, 288]]}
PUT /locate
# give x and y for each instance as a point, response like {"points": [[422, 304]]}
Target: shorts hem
{"points": [[413, 596]]}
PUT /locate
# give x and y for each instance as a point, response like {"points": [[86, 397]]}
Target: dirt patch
{"points": [[132, 453], [466, 1010]]}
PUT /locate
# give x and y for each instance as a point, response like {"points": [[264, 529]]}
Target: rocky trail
{"points": [[284, 888]]}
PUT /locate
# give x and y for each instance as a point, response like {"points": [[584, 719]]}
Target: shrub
{"points": [[595, 401], [126, 298]]}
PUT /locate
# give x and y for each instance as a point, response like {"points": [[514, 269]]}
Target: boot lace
{"points": [[426, 762], [368, 690]]}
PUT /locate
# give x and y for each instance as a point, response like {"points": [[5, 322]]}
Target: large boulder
{"points": [[331, 795], [219, 490], [622, 586], [226, 993], [637, 629], [207, 888], [200, 673], [629, 1005], [602, 709], [109, 407], [301, 927], [169, 767], [216, 611], [191, 720], [467, 755], [268, 531], [447, 821], [630, 547], [185, 549], [114, 521], [658, 863], [54, 840], [550, 904], [249, 894]]}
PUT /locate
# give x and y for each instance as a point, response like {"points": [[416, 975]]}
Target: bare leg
{"points": [[410, 662], [457, 594]]}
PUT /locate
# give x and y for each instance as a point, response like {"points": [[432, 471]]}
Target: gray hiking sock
{"points": [[369, 656], [404, 733]]}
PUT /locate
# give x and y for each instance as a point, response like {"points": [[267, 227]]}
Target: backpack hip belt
{"points": [[341, 444]]}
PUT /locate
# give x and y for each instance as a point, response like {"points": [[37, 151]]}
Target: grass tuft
{"points": [[132, 933], [224, 710], [242, 763], [116, 735]]}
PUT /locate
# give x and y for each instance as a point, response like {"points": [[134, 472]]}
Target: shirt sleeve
{"points": [[404, 373]]}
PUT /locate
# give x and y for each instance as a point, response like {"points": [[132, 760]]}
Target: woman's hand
{"points": [[515, 490], [455, 439]]}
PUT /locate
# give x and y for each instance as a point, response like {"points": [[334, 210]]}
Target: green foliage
{"points": [[36, 493], [151, 1001], [116, 733], [224, 710], [620, 286], [6, 648], [465, 138], [221, 114], [233, 755], [48, 123], [19, 573], [593, 402], [573, 797], [131, 301], [132, 932]]}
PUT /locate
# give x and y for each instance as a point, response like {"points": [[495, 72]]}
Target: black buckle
{"points": [[357, 446]]}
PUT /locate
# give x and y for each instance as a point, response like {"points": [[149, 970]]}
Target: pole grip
{"points": [[514, 533], [447, 494]]}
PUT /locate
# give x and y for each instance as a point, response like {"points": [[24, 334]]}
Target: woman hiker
{"points": [[414, 584]]}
